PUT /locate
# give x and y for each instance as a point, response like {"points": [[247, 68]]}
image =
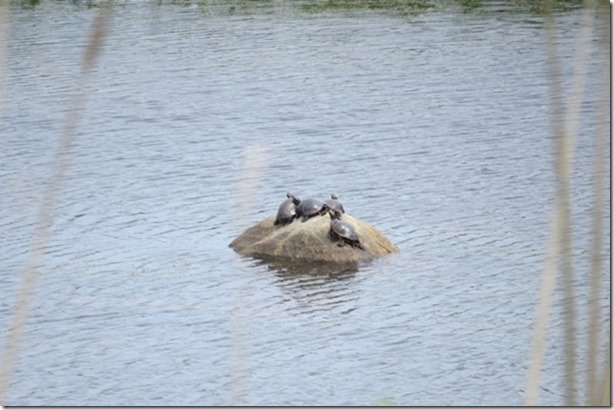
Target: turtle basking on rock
{"points": [[342, 231], [313, 242], [287, 210], [333, 203], [308, 208]]}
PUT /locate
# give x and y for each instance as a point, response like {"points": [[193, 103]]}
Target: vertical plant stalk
{"points": [[251, 173], [46, 208], [5, 26], [566, 145], [540, 327], [549, 274], [599, 171], [605, 396], [560, 241]]}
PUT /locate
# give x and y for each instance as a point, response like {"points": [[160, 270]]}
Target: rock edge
{"points": [[310, 241]]}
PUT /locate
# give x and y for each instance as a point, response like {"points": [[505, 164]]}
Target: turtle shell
{"points": [[343, 231], [308, 208], [287, 210], [333, 203]]}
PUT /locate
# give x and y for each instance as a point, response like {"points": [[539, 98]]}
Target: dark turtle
{"points": [[308, 208], [342, 231], [333, 203], [287, 210]]}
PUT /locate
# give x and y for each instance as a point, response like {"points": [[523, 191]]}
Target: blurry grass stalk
{"points": [[598, 393], [253, 166], [566, 144], [560, 242], [47, 205], [5, 25], [543, 311], [603, 397]]}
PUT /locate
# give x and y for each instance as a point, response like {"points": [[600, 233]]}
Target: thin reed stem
{"points": [[601, 136], [540, 328], [565, 144], [253, 167], [560, 240], [556, 230], [46, 208], [605, 396], [5, 26]]}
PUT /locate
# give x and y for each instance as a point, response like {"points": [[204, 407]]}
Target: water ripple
{"points": [[440, 142]]}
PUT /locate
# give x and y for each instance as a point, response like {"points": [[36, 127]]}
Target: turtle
{"points": [[308, 208], [334, 203], [342, 231], [287, 210]]}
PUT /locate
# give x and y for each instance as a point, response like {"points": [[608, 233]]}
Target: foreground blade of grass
{"points": [[559, 242], [605, 396], [540, 326], [599, 171], [254, 166], [549, 275], [46, 208], [566, 145], [5, 25]]}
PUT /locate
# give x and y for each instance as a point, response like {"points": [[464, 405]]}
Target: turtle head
{"points": [[294, 199], [334, 214]]}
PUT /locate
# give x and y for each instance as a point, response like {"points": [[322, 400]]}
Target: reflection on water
{"points": [[315, 286], [431, 127], [291, 268]]}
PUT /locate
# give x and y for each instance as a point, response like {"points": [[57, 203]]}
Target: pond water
{"points": [[432, 127]]}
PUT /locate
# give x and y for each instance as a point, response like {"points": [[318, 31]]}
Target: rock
{"points": [[310, 241]]}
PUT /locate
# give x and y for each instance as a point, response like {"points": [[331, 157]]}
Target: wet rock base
{"points": [[310, 241]]}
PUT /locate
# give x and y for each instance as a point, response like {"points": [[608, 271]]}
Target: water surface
{"points": [[432, 127]]}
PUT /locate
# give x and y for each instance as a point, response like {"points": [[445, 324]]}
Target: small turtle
{"points": [[333, 203], [308, 208], [343, 231], [287, 210]]}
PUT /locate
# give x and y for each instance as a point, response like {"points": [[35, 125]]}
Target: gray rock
{"points": [[310, 241]]}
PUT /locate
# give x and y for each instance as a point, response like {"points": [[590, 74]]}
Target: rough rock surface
{"points": [[310, 241]]}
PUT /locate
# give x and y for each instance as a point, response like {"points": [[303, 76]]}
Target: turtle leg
{"points": [[355, 244], [341, 243]]}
